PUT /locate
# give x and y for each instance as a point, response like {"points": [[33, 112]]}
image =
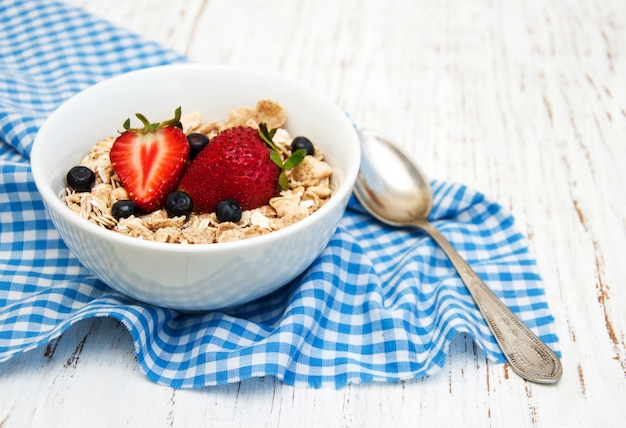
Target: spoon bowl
{"points": [[396, 192], [399, 195]]}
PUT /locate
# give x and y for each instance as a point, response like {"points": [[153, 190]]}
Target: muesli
{"points": [[307, 185]]}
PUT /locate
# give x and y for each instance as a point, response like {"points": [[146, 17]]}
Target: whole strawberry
{"points": [[236, 164], [150, 160]]}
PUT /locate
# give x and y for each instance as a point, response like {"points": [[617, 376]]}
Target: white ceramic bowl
{"points": [[192, 277]]}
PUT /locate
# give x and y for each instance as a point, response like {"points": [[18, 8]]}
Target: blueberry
{"points": [[80, 178], [302, 143], [124, 208], [197, 141], [178, 204], [228, 210]]}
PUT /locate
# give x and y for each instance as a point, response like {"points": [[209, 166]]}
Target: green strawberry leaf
{"points": [[275, 157], [294, 160], [283, 181], [175, 121], [153, 127], [267, 136]]}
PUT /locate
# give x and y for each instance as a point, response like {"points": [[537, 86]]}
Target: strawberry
{"points": [[236, 164], [150, 160]]}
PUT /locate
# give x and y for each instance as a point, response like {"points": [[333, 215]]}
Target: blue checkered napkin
{"points": [[379, 303]]}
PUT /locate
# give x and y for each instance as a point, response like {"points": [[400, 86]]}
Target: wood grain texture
{"points": [[524, 100]]}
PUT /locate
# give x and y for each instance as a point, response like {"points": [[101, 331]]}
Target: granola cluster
{"points": [[309, 189]]}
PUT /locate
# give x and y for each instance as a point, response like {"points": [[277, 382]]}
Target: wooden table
{"points": [[522, 100]]}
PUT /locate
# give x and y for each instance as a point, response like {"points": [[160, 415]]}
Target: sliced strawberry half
{"points": [[150, 160]]}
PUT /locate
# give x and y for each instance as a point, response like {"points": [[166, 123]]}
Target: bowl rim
{"points": [[54, 202]]}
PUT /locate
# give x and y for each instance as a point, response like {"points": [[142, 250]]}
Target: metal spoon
{"points": [[394, 191]]}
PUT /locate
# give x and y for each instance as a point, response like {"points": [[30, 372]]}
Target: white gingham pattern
{"points": [[380, 304]]}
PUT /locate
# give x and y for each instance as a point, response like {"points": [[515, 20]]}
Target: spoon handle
{"points": [[528, 356]]}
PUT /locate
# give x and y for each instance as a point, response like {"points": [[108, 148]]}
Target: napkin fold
{"points": [[379, 304]]}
